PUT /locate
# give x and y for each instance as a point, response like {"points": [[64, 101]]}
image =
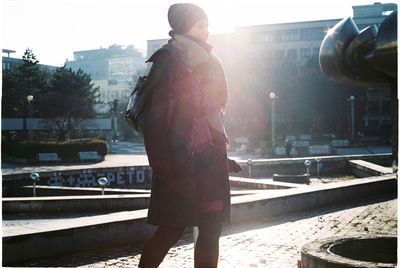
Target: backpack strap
{"points": [[164, 49]]}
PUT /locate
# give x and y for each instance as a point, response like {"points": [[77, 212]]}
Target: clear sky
{"points": [[53, 29]]}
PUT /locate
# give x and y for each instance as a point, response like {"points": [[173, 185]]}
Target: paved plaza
{"points": [[134, 154], [274, 243]]}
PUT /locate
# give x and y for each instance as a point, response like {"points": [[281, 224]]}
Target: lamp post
{"points": [[29, 99], [273, 98], [307, 163], [35, 178], [103, 182], [351, 127], [249, 164]]}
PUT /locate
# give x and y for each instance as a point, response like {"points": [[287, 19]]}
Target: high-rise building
{"points": [[112, 69]]}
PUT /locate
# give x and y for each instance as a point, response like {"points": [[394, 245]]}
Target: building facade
{"points": [[10, 63], [298, 41], [112, 69]]}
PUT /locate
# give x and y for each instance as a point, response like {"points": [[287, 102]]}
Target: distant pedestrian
{"points": [[186, 142], [288, 147]]}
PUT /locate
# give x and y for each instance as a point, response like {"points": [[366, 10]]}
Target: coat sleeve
{"points": [[156, 129]]}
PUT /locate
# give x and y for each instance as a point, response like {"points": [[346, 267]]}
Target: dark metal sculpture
{"points": [[364, 58]]}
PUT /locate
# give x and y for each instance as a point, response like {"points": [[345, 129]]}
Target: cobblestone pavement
{"points": [[263, 243]]}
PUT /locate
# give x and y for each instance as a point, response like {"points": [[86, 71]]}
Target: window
{"points": [[268, 37], [312, 34], [6, 66], [387, 123], [305, 52], [268, 52], [279, 53], [373, 106], [292, 53], [289, 36], [316, 51], [386, 107], [373, 123], [264, 38], [258, 39]]}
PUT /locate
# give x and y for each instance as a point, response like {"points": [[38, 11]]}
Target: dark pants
{"points": [[207, 246]]}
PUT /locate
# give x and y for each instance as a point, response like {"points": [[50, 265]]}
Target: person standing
{"points": [[186, 142]]}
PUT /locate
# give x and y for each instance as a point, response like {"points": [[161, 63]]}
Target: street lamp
{"points": [[273, 97], [249, 163], [35, 178], [29, 99], [103, 182], [307, 163]]}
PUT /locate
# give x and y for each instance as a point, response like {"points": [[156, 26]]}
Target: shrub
{"points": [[65, 149]]}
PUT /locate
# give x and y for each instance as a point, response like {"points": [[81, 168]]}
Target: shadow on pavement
{"points": [[127, 251]]}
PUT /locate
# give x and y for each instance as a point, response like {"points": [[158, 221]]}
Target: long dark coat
{"points": [[182, 184]]}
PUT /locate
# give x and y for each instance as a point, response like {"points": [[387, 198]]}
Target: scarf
{"points": [[208, 128]]}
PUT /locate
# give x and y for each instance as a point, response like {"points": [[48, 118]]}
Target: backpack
{"points": [[137, 108], [140, 98]]}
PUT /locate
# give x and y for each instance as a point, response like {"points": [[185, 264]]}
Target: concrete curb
{"points": [[362, 169], [130, 227], [90, 200], [75, 204]]}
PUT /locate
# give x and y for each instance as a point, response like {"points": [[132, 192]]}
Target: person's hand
{"points": [[233, 166]]}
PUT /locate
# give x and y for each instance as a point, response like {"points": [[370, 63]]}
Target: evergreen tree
{"points": [[27, 79], [69, 100]]}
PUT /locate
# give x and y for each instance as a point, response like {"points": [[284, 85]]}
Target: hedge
{"points": [[65, 149]]}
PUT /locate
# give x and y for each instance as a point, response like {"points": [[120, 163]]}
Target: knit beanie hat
{"points": [[182, 17]]}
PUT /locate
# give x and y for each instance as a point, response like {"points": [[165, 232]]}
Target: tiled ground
{"points": [[259, 244]]}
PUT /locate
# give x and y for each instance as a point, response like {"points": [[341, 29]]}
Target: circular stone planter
{"points": [[361, 251]]}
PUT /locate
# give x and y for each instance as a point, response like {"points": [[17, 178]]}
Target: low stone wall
{"points": [[56, 200], [130, 227], [74, 204], [44, 190], [303, 178], [304, 198], [259, 184], [139, 177], [362, 169], [83, 234], [329, 165]]}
